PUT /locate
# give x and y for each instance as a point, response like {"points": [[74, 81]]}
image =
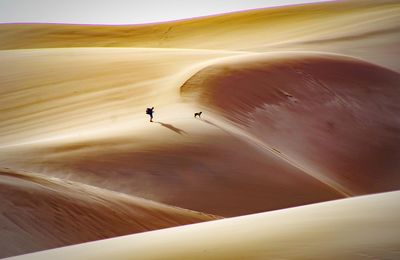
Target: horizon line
{"points": [[174, 20]]}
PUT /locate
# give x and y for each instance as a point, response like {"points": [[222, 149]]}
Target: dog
{"points": [[197, 114]]}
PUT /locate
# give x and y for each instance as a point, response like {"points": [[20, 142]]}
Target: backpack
{"points": [[148, 111]]}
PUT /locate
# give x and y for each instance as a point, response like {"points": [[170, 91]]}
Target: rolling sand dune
{"points": [[357, 228], [300, 105], [90, 88], [353, 137], [216, 173], [349, 27], [40, 213]]}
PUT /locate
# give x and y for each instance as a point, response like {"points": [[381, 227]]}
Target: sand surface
{"points": [[300, 106], [362, 28], [356, 228], [41, 213]]}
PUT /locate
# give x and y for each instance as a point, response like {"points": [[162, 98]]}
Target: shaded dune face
{"points": [[216, 173], [40, 213], [333, 115], [365, 227]]}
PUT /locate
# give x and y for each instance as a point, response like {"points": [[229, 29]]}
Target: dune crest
{"points": [[352, 27]]}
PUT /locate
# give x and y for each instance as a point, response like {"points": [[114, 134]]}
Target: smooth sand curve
{"points": [[356, 228], [299, 106], [39, 213]]}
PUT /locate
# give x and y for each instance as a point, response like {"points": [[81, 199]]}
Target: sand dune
{"points": [[357, 228], [290, 155], [353, 138], [300, 105], [91, 88], [189, 170], [40, 213], [349, 27], [103, 140]]}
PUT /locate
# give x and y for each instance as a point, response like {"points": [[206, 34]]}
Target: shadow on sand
{"points": [[173, 128], [208, 122], [217, 126]]}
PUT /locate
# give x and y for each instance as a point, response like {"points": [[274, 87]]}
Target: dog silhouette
{"points": [[198, 114]]}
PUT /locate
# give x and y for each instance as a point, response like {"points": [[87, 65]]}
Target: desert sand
{"points": [[357, 228], [300, 106], [41, 213]]}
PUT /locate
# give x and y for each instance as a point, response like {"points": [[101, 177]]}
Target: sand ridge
{"points": [[352, 27]]}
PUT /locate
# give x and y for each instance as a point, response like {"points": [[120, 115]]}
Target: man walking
{"points": [[150, 112]]}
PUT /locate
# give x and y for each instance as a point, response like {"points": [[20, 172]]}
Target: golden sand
{"points": [[300, 105]]}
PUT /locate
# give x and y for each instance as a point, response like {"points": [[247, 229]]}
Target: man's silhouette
{"points": [[150, 112]]}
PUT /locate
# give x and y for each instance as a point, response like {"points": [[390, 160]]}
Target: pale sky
{"points": [[123, 11]]}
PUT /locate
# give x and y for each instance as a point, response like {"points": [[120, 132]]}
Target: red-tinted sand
{"points": [[40, 213], [217, 173], [334, 115]]}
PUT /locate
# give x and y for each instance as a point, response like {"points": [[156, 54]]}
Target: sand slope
{"points": [[357, 228], [214, 172], [259, 116], [334, 115], [93, 89], [300, 106], [39, 213], [350, 27]]}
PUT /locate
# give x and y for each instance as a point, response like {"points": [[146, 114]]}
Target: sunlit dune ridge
{"points": [[363, 28], [300, 106]]}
